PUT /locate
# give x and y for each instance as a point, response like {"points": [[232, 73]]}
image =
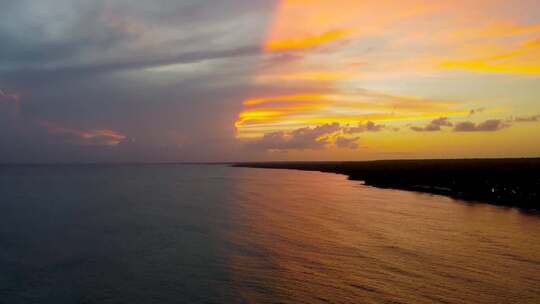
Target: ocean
{"points": [[215, 234]]}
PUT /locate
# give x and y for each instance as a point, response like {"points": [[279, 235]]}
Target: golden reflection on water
{"points": [[308, 237]]}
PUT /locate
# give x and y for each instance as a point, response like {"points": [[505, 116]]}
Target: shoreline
{"points": [[503, 182]]}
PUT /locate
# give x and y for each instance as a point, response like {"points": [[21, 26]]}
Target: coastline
{"points": [[503, 182]]}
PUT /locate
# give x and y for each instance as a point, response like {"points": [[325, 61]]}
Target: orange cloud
{"points": [[92, 137], [302, 24], [305, 42], [524, 59], [286, 98], [302, 110]]}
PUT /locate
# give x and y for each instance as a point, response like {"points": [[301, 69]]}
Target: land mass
{"points": [[506, 182]]}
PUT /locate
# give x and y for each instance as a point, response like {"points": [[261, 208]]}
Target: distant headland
{"points": [[505, 182]]}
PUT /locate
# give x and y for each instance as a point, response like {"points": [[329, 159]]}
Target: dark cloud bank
{"points": [[124, 80]]}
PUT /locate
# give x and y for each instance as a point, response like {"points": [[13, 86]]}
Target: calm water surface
{"points": [[213, 234]]}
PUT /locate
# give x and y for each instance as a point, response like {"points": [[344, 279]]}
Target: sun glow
{"points": [[351, 62]]}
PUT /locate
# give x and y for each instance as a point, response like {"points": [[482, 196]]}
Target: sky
{"points": [[260, 80]]}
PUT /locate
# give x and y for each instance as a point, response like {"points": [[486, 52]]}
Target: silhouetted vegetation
{"points": [[508, 182]]}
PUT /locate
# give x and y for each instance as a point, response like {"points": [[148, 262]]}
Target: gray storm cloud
{"points": [[168, 74]]}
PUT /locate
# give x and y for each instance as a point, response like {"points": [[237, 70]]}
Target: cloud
{"points": [[273, 59], [347, 143], [486, 126], [310, 138], [10, 104], [169, 73], [57, 32], [370, 126], [534, 118], [283, 112], [79, 70], [6, 96], [434, 125], [300, 139], [92, 137], [88, 37], [521, 59], [313, 76], [305, 42]]}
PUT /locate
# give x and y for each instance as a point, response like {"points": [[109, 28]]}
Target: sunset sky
{"points": [[235, 80]]}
